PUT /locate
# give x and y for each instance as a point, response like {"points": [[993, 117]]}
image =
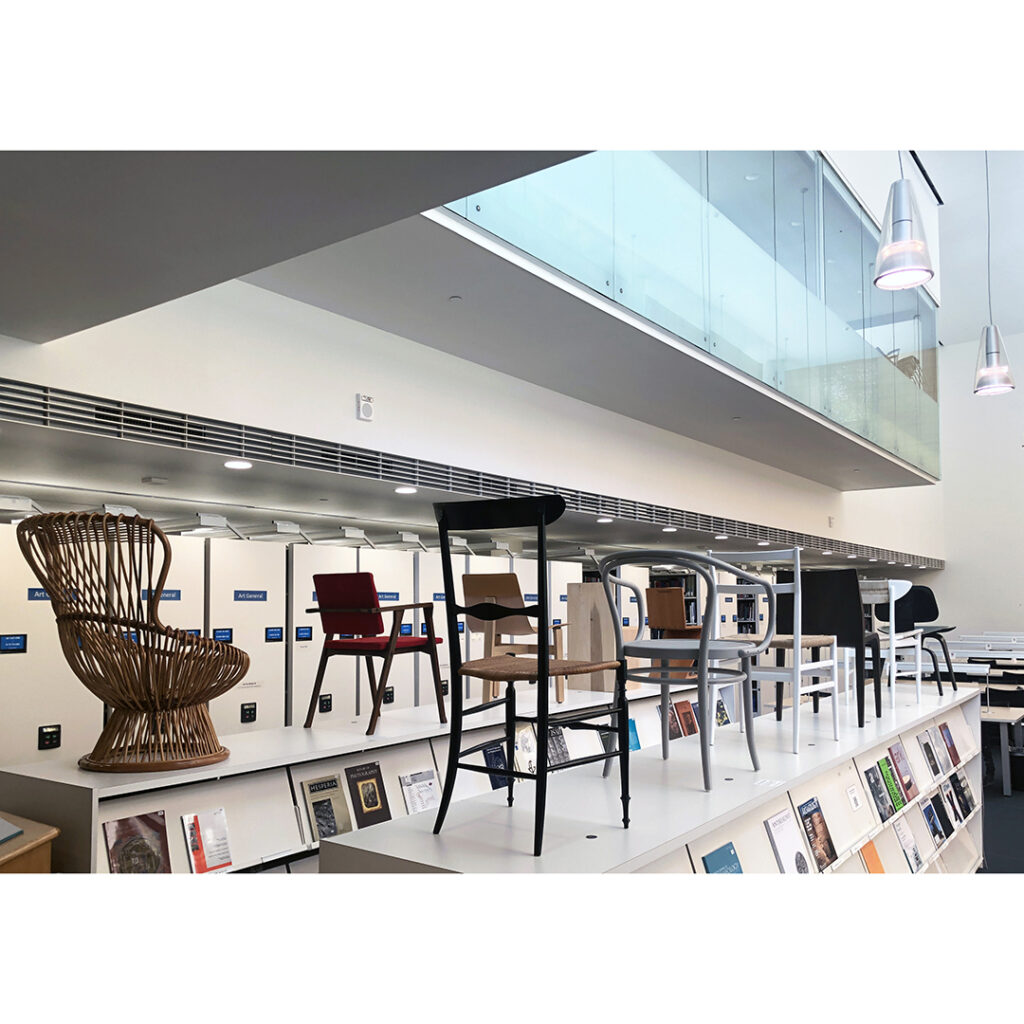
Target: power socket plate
{"points": [[248, 713], [326, 703]]}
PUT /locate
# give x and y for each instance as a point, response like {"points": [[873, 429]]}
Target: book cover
{"points": [[941, 752], [725, 707], [687, 718], [962, 791], [8, 830], [947, 737], [675, 730], [419, 791], [369, 798], [817, 833], [871, 859], [494, 757], [891, 785], [634, 739], [925, 740], [558, 751], [525, 759], [876, 787], [908, 844], [956, 816], [326, 807], [206, 838], [787, 843], [904, 776], [138, 845], [722, 861], [932, 821], [940, 812]]}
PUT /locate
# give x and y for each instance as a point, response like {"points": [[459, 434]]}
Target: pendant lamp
{"points": [[902, 260], [992, 376]]}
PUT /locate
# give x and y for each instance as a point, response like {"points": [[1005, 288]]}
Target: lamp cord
{"points": [[988, 215]]}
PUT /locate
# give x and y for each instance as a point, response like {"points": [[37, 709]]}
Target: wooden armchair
{"points": [[104, 575]]}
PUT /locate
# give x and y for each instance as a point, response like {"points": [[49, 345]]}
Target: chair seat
{"points": [[510, 668], [781, 642], [932, 630], [364, 644], [724, 649]]}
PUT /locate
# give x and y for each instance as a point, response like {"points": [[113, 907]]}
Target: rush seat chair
{"points": [[104, 575], [535, 513], [350, 615]]}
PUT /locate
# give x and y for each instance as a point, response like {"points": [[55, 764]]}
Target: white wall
{"points": [[237, 352]]}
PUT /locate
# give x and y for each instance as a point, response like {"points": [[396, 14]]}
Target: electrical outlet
{"points": [[389, 695], [326, 703], [49, 737], [364, 407], [444, 687], [249, 713]]}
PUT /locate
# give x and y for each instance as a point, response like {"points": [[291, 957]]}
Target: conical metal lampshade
{"points": [[902, 260], [993, 375]]}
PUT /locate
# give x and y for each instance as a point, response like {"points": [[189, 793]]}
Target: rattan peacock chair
{"points": [[104, 575]]}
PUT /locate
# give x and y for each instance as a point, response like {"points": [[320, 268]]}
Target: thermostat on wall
{"points": [[364, 407]]}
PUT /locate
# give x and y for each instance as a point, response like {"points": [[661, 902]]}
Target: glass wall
{"points": [[764, 259]]}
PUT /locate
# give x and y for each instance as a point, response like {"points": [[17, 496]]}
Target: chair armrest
{"points": [[559, 625], [371, 611]]}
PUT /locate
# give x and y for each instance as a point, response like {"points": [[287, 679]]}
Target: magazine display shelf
{"points": [[674, 822], [259, 785]]}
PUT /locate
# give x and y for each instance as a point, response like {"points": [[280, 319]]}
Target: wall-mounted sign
{"points": [[225, 636], [133, 636], [250, 595], [556, 622], [406, 629], [530, 597], [37, 594], [193, 632], [303, 633], [13, 643], [387, 595], [462, 627], [165, 595], [563, 597], [273, 634], [625, 621], [438, 596], [632, 598], [314, 595]]}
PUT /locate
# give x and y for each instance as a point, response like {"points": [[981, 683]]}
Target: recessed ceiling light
{"points": [[851, 556], [922, 567], [763, 543], [892, 563], [668, 529], [751, 177], [238, 464], [907, 565], [826, 552], [605, 519], [872, 559], [721, 536], [405, 490]]}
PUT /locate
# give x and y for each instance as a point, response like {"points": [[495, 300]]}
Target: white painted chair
{"points": [[876, 592]]}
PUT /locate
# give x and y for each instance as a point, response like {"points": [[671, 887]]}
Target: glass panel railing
{"points": [[762, 258]]}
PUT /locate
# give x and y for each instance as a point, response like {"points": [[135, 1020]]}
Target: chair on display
{"points": [[915, 610], [707, 653], [813, 677], [350, 615], [104, 575], [876, 594], [503, 588], [536, 513]]}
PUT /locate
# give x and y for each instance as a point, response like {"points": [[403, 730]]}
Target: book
{"points": [[947, 737], [206, 839], [940, 811], [525, 759], [941, 751], [817, 833], [419, 791], [904, 775], [494, 757], [369, 798], [725, 707], [962, 791], [925, 740], [675, 730], [893, 787], [908, 844], [871, 859], [722, 861], [634, 739], [8, 830], [956, 816], [326, 807], [687, 718], [137, 845], [787, 843], [876, 787], [932, 821], [558, 750]]}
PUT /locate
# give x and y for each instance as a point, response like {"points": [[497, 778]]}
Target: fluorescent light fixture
{"points": [[238, 464], [902, 260], [405, 489]]}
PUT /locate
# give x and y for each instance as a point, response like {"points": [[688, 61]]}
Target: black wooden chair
{"points": [[516, 514], [915, 610]]}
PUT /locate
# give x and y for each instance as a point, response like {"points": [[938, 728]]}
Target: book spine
{"points": [[895, 794]]}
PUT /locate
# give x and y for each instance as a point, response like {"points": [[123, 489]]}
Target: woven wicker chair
{"points": [[104, 575]]}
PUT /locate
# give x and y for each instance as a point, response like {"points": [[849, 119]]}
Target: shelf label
{"points": [[462, 627], [632, 598], [853, 796], [563, 597], [406, 629], [625, 621], [192, 632], [250, 595], [165, 595], [314, 595], [37, 594], [303, 633], [728, 600], [273, 634], [13, 643], [223, 635], [438, 596], [530, 597], [387, 595], [423, 629]]}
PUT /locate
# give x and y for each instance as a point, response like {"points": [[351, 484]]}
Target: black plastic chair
{"points": [[515, 514], [831, 605], [913, 610]]}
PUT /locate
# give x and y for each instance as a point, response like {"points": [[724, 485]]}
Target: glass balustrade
{"points": [[763, 259]]}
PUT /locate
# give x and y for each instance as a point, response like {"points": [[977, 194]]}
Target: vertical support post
{"points": [[289, 630]]}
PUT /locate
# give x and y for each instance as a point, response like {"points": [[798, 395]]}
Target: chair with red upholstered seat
{"points": [[353, 625]]}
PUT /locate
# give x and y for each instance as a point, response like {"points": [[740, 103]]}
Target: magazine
{"points": [[871, 859], [369, 797], [904, 776], [932, 821], [947, 738], [962, 791], [494, 757], [687, 718], [138, 845], [876, 787], [940, 812], [526, 749], [722, 861], [558, 750], [941, 751], [952, 804], [787, 843], [908, 844], [675, 730], [206, 838], [326, 807], [419, 790], [893, 787], [817, 833], [925, 740]]}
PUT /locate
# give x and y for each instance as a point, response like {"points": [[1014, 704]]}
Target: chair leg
{"points": [[371, 679], [665, 707], [780, 662], [510, 734], [935, 667], [949, 660], [876, 661], [748, 713], [325, 654], [815, 696], [835, 691], [917, 666], [708, 714], [622, 721], [859, 663], [541, 795], [454, 747], [378, 700], [435, 668]]}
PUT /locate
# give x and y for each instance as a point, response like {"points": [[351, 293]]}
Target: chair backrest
{"points": [[499, 514], [917, 605], [666, 608], [340, 590], [100, 571], [830, 604], [497, 588]]}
